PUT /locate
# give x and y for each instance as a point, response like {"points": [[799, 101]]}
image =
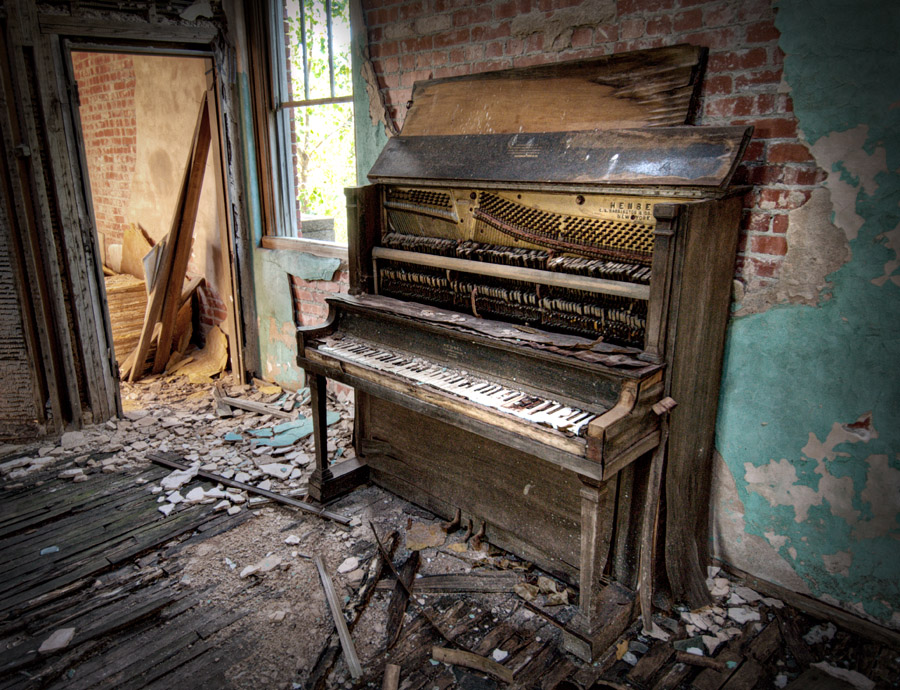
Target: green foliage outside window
{"points": [[326, 157]]}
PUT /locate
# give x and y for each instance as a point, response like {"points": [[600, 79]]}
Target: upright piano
{"points": [[540, 270]]}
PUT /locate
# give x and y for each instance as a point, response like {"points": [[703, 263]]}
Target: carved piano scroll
{"points": [[661, 286]]}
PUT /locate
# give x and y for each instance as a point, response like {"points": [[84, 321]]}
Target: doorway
{"points": [[138, 113]]}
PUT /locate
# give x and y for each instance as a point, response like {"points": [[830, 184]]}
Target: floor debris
{"points": [[153, 600]]}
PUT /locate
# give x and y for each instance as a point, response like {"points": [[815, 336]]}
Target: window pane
{"points": [[325, 163], [317, 48]]}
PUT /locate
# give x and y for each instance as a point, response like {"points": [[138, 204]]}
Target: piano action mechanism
{"points": [[525, 307]]}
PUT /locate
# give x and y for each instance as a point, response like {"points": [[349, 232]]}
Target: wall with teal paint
{"points": [[807, 482]]}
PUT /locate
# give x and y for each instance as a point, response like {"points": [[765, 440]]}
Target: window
{"points": [[315, 116]]}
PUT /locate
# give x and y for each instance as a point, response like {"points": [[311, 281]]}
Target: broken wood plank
{"points": [[400, 598], [165, 461], [391, 677], [492, 583], [183, 232], [340, 623], [474, 661], [792, 638], [649, 664], [702, 661], [258, 407]]}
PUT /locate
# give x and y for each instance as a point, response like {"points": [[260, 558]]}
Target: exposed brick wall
{"points": [[310, 309], [412, 40], [309, 296], [106, 88]]}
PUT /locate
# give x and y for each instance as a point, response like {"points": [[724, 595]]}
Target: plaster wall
{"points": [[807, 489]]}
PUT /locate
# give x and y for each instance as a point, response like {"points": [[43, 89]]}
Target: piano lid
{"points": [[618, 120], [668, 157], [642, 88]]}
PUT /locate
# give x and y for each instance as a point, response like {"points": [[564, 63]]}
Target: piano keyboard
{"points": [[529, 407]]}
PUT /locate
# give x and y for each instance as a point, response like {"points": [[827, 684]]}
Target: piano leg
{"points": [[604, 610], [327, 483]]}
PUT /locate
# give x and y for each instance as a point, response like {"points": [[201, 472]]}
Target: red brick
{"points": [[762, 32], [407, 63], [788, 153], [606, 33], [768, 244], [491, 65], [765, 104], [631, 28], [457, 55], [763, 268], [415, 45], [490, 31], [645, 6], [738, 60], [659, 26], [716, 39], [804, 177], [492, 50], [505, 10], [775, 128], [451, 38], [718, 85], [719, 15], [688, 21], [411, 9], [731, 106], [788, 199], [475, 15], [582, 37], [514, 46], [535, 44], [756, 221], [758, 78], [780, 223]]}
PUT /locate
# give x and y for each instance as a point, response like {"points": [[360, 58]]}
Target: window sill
{"points": [[315, 247]]}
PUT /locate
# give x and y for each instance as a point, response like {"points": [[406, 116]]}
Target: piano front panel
{"points": [[533, 507]]}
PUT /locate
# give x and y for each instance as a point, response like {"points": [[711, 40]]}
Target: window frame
{"points": [[286, 234]]}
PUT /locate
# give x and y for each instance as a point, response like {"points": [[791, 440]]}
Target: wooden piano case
{"points": [[577, 261]]}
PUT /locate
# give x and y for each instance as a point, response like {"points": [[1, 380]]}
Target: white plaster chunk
{"points": [[222, 505], [747, 594], [820, 633], [268, 563], [175, 498], [292, 539], [166, 508], [277, 470], [72, 439], [248, 571], [60, 639], [178, 478], [349, 564], [195, 495], [234, 510], [855, 678], [773, 603], [741, 615], [499, 655]]}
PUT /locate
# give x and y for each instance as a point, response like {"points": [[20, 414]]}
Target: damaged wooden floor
{"points": [[160, 602]]}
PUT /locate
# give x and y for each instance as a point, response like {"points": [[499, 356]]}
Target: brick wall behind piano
{"points": [[412, 40]]}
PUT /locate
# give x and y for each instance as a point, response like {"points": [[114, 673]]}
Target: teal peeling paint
{"points": [[796, 370], [302, 265]]}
